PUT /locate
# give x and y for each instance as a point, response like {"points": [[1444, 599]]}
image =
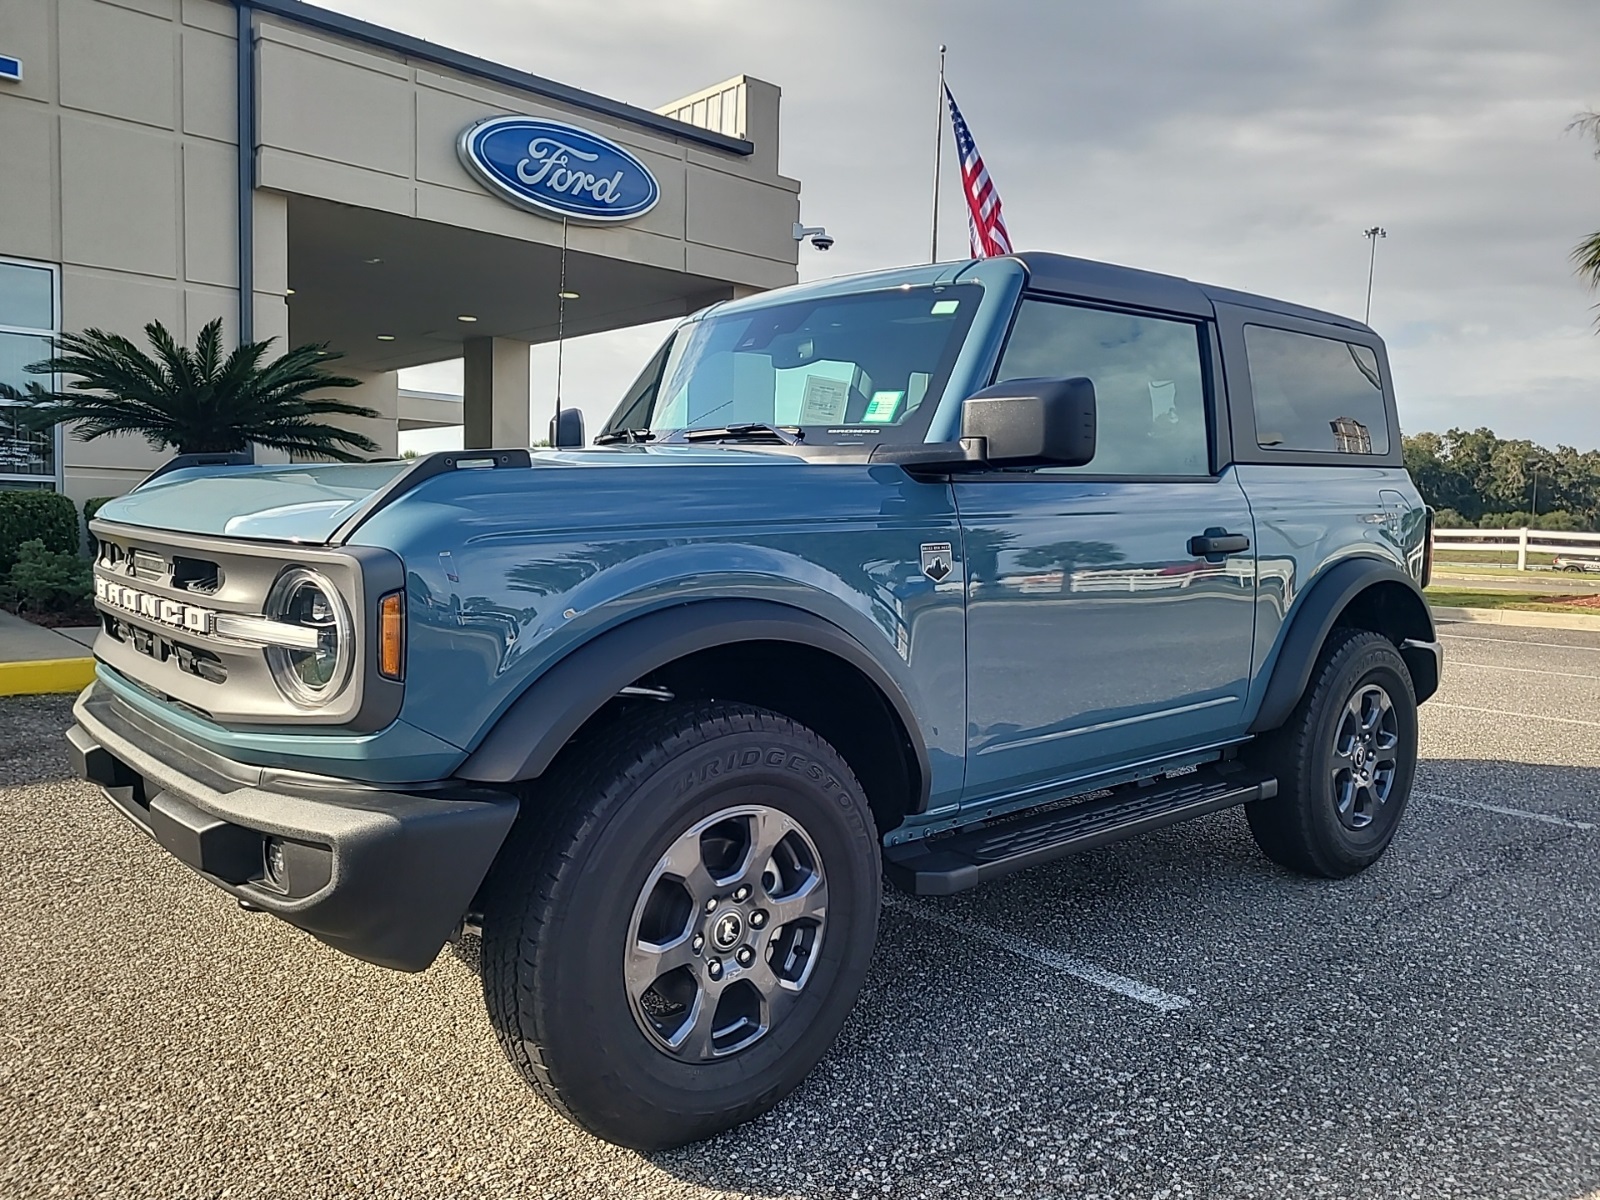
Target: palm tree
{"points": [[195, 401], [1586, 254]]}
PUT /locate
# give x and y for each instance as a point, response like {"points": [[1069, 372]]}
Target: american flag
{"points": [[986, 228]]}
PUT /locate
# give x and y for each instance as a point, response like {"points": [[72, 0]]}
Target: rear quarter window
{"points": [[1315, 393]]}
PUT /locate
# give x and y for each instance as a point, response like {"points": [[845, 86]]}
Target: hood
{"points": [[284, 504], [308, 503]]}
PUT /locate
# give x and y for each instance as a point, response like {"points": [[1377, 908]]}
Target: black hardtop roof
{"points": [[1150, 289]]}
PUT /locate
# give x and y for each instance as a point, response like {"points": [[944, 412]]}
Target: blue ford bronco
{"points": [[933, 574]]}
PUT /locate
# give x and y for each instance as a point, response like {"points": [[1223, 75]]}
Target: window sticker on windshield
{"points": [[824, 400], [943, 308], [1163, 394], [883, 407]]}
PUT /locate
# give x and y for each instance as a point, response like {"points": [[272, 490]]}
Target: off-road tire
{"points": [[561, 902], [1300, 828]]}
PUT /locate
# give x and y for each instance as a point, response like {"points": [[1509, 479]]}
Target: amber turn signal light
{"points": [[392, 636]]}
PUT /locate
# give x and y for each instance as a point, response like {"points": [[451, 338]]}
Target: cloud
{"points": [[1245, 143]]}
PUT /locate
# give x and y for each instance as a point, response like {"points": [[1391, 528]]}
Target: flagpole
{"points": [[938, 153]]}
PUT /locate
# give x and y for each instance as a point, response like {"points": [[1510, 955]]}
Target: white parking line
{"points": [[1463, 637], [1044, 956], [1456, 662], [1546, 818], [1500, 712]]}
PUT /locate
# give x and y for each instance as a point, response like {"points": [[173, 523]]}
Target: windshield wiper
{"points": [[789, 435], [624, 435]]}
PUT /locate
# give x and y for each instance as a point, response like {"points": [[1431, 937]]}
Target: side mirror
{"points": [[1032, 422], [566, 430]]}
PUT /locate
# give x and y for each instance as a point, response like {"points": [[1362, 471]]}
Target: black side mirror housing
{"points": [[566, 430], [1032, 422], [1018, 423]]}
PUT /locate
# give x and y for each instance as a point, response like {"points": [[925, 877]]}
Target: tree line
{"points": [[1475, 479]]}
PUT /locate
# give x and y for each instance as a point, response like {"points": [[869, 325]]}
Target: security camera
{"points": [[818, 235]]}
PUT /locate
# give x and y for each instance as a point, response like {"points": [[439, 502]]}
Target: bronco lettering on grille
{"points": [[114, 594]]}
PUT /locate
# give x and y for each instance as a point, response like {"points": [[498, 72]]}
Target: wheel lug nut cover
{"points": [[758, 919], [699, 943], [714, 969], [746, 956], [742, 893], [711, 904]]}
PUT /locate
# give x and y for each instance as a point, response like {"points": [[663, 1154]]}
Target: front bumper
{"points": [[383, 876]]}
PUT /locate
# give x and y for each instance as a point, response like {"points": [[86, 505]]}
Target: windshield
{"points": [[834, 369]]}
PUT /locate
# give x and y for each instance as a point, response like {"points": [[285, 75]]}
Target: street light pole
{"points": [[1372, 235]]}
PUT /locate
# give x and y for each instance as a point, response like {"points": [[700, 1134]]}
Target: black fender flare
{"points": [[1313, 619], [530, 733]]}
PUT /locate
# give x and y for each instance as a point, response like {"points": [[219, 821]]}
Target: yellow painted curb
{"points": [[46, 676]]}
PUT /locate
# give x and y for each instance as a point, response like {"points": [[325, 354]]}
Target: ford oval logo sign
{"points": [[558, 169]]}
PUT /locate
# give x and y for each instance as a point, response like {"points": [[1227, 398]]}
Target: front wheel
{"points": [[682, 922], [1344, 761]]}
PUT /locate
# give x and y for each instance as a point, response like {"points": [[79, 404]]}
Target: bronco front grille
{"points": [[186, 617]]}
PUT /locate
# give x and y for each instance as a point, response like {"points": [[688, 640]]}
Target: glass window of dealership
{"points": [[309, 177], [29, 309]]}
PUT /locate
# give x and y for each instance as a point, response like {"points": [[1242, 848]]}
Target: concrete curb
{"points": [[1528, 620], [44, 677]]}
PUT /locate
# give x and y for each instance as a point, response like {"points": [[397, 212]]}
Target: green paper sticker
{"points": [[882, 407], [943, 308]]}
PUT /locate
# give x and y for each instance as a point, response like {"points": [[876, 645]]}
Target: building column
{"points": [[379, 391], [494, 394]]}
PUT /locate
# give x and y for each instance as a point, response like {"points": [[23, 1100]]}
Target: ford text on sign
{"points": [[558, 169]]}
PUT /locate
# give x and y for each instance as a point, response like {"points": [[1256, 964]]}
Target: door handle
{"points": [[1216, 542]]}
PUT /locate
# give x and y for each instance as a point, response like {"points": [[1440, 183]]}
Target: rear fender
{"points": [[1396, 609]]}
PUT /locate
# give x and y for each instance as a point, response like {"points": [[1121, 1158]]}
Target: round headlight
{"points": [[310, 677]]}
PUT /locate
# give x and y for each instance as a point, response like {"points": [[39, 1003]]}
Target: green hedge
{"points": [[48, 580], [26, 516]]}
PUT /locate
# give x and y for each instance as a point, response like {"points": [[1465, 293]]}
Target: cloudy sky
{"points": [[1243, 142]]}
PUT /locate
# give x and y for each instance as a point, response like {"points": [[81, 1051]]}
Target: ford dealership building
{"points": [[314, 178]]}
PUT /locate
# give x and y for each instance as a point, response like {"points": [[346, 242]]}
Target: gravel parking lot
{"points": [[1168, 1017]]}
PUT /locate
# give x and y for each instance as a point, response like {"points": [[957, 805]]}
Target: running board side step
{"points": [[986, 851]]}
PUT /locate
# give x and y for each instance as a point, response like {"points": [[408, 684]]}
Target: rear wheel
{"points": [[681, 925], [1344, 760]]}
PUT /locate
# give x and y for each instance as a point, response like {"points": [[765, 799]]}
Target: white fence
{"points": [[1542, 541]]}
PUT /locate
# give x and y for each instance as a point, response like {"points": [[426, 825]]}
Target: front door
{"points": [[1098, 634]]}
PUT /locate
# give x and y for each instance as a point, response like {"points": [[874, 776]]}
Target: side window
{"points": [[1315, 393], [1148, 384]]}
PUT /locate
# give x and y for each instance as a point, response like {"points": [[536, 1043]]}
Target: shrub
{"points": [[1503, 520], [1561, 520], [90, 507], [45, 580], [27, 516], [1449, 518]]}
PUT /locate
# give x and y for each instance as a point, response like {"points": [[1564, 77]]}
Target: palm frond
{"points": [[1586, 257], [208, 350], [1587, 124]]}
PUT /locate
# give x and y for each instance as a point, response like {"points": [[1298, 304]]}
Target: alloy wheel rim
{"points": [[1366, 756], [725, 933]]}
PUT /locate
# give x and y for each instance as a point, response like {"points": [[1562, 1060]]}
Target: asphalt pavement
{"points": [[1169, 1017]]}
